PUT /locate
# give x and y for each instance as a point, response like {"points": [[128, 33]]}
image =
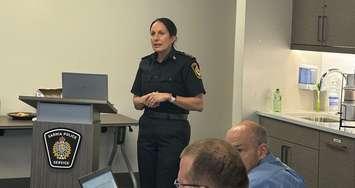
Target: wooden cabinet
{"points": [[323, 25], [339, 23], [306, 22], [295, 146], [336, 161], [302, 159]]}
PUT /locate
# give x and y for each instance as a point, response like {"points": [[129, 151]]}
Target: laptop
{"points": [[98, 179], [85, 86]]}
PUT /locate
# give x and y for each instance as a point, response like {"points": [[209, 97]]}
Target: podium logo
{"points": [[61, 145]]}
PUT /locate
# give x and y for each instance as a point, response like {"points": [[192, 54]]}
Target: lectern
{"points": [[65, 143]]}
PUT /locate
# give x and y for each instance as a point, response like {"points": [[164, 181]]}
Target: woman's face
{"points": [[160, 38]]}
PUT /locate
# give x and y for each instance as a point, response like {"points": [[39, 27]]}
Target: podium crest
{"points": [[61, 145]]}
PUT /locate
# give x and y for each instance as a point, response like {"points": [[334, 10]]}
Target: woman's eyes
{"points": [[159, 33]]}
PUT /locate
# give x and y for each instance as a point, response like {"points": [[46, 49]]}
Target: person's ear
{"points": [[173, 38], [262, 151]]}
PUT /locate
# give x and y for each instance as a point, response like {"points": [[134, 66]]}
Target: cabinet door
{"points": [[307, 22], [302, 159], [340, 23], [336, 161], [291, 132]]}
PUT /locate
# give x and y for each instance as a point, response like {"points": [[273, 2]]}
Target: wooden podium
{"points": [[65, 139]]}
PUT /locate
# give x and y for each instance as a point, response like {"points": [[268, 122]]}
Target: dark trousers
{"points": [[160, 142]]}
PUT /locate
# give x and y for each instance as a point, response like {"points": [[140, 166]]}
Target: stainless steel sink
{"points": [[321, 119], [316, 117]]}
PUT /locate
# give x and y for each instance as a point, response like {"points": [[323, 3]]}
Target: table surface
{"points": [[101, 105], [107, 120]]}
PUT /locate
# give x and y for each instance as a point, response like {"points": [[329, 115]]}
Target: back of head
{"points": [[256, 133], [259, 132], [216, 164]]}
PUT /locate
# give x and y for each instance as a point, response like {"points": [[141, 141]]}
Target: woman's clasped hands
{"points": [[153, 99]]}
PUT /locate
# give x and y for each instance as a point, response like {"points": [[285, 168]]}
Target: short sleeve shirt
{"points": [[179, 74]]}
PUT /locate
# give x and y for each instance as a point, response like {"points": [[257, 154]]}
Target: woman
{"points": [[167, 86]]}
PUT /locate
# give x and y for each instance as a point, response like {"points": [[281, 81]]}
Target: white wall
{"points": [[343, 62], [42, 38], [268, 61]]}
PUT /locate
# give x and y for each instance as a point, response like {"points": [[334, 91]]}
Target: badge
{"points": [[61, 149], [61, 145], [196, 70]]}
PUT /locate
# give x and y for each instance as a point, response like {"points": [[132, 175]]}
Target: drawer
{"points": [[291, 132], [338, 143]]}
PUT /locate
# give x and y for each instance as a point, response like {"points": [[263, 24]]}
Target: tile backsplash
{"points": [[344, 62], [304, 99]]}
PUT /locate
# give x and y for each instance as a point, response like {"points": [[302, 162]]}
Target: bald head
{"points": [[255, 132], [250, 139]]}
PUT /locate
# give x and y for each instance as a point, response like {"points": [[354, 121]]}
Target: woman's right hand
{"points": [[150, 103], [141, 101]]}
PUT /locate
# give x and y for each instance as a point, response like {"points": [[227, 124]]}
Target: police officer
{"points": [[167, 86]]}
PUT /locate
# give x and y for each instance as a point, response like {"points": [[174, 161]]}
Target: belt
{"points": [[161, 115]]}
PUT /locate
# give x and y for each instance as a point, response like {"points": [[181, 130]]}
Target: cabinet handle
{"points": [[324, 28], [320, 26], [284, 154], [337, 146]]}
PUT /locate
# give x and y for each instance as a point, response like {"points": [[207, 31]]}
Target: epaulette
{"points": [[148, 56], [192, 57], [186, 54]]}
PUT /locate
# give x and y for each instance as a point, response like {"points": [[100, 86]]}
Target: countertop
{"points": [[327, 127]]}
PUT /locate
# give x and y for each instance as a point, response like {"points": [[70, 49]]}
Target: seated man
{"points": [[211, 163], [264, 170]]}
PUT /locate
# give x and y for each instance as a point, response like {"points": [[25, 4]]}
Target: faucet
{"points": [[332, 71]]}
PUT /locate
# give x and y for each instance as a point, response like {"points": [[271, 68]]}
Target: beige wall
{"points": [[239, 45], [268, 61], [42, 38]]}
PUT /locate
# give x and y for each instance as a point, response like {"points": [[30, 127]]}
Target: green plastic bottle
{"points": [[276, 100]]}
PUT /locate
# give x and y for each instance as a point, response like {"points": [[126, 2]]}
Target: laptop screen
{"points": [[85, 86], [99, 179]]}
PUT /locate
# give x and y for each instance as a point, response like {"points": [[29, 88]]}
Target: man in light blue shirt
{"points": [[264, 169]]}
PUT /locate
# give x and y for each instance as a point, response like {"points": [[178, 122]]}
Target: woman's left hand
{"points": [[155, 98]]}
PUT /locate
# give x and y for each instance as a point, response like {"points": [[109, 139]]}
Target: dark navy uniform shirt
{"points": [[178, 74]]}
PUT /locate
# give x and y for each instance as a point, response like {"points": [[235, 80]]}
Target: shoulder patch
{"points": [[195, 67]]}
